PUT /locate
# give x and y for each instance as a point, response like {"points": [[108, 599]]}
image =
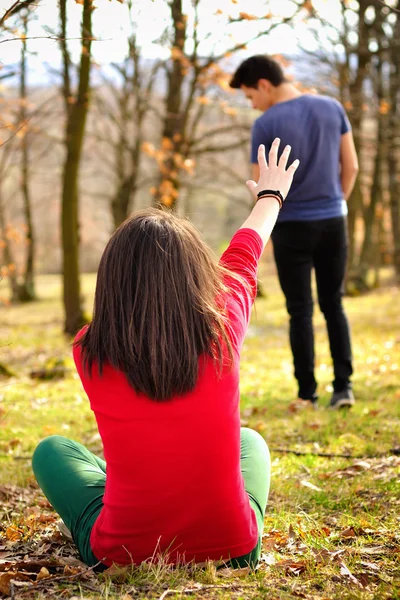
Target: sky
{"points": [[111, 26]]}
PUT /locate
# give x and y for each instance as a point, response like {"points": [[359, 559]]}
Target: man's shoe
{"points": [[343, 399]]}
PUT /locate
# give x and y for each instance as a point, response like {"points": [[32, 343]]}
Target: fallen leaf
{"points": [[228, 572], [43, 574], [314, 426], [325, 556], [292, 533], [291, 567], [360, 465], [275, 540], [371, 566], [269, 544], [69, 570], [300, 405], [371, 550], [310, 485], [347, 573], [321, 532], [351, 532], [14, 443], [13, 533], [268, 559], [6, 578], [322, 556], [347, 533]]}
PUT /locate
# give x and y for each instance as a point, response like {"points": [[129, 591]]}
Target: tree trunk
{"points": [[394, 147], [26, 290], [168, 189], [9, 264], [121, 201], [376, 189], [355, 202], [126, 186], [75, 129]]}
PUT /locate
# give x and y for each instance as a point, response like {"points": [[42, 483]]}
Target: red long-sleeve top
{"points": [[173, 482]]}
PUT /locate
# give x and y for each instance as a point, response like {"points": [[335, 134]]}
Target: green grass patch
{"points": [[332, 524]]}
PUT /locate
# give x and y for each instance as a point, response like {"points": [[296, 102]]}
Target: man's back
{"points": [[312, 125]]}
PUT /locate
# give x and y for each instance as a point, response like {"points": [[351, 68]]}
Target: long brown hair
{"points": [[158, 306]]}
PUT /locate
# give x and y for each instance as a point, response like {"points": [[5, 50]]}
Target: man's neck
{"points": [[285, 92]]}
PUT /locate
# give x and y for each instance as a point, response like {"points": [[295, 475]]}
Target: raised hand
{"points": [[274, 175]]}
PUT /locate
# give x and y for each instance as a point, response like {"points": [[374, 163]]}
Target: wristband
{"points": [[271, 193], [277, 198]]}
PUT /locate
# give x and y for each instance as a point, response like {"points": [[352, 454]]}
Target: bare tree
{"points": [[7, 261], [15, 8], [191, 77], [121, 109], [26, 290], [394, 143], [76, 109], [362, 65]]}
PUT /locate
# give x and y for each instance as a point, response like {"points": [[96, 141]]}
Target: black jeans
{"points": [[298, 247]]}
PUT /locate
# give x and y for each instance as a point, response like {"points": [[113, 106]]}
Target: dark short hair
{"points": [[255, 68], [159, 306]]}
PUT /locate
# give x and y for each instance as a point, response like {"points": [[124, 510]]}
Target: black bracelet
{"points": [[279, 201], [272, 192]]}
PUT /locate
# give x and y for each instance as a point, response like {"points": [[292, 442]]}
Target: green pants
{"points": [[73, 480]]}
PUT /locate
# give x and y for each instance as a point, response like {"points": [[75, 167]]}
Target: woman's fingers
{"points": [[274, 175], [262, 161], [273, 153], [293, 167], [252, 186], [284, 157]]}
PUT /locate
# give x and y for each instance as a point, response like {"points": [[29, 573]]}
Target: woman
{"points": [[160, 365]]}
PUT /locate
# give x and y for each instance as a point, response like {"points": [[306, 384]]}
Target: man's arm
{"points": [[348, 163]]}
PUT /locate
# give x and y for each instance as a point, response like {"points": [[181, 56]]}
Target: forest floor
{"points": [[332, 528]]}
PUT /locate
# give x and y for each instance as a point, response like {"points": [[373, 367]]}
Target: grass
{"points": [[332, 524]]}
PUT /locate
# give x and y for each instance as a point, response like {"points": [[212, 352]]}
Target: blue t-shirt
{"points": [[313, 126]]}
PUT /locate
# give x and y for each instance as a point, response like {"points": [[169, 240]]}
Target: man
{"points": [[312, 227]]}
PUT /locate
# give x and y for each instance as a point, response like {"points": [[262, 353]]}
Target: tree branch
{"points": [[392, 8], [218, 131], [14, 9], [222, 148]]}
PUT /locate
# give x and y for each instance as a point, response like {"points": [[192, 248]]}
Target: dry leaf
{"points": [[269, 544], [228, 572], [347, 533], [361, 465], [292, 533], [43, 574], [13, 533], [372, 550], [371, 566], [310, 485], [325, 556], [322, 532], [351, 532], [299, 405], [291, 567], [70, 570], [268, 559], [347, 573], [6, 578]]}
